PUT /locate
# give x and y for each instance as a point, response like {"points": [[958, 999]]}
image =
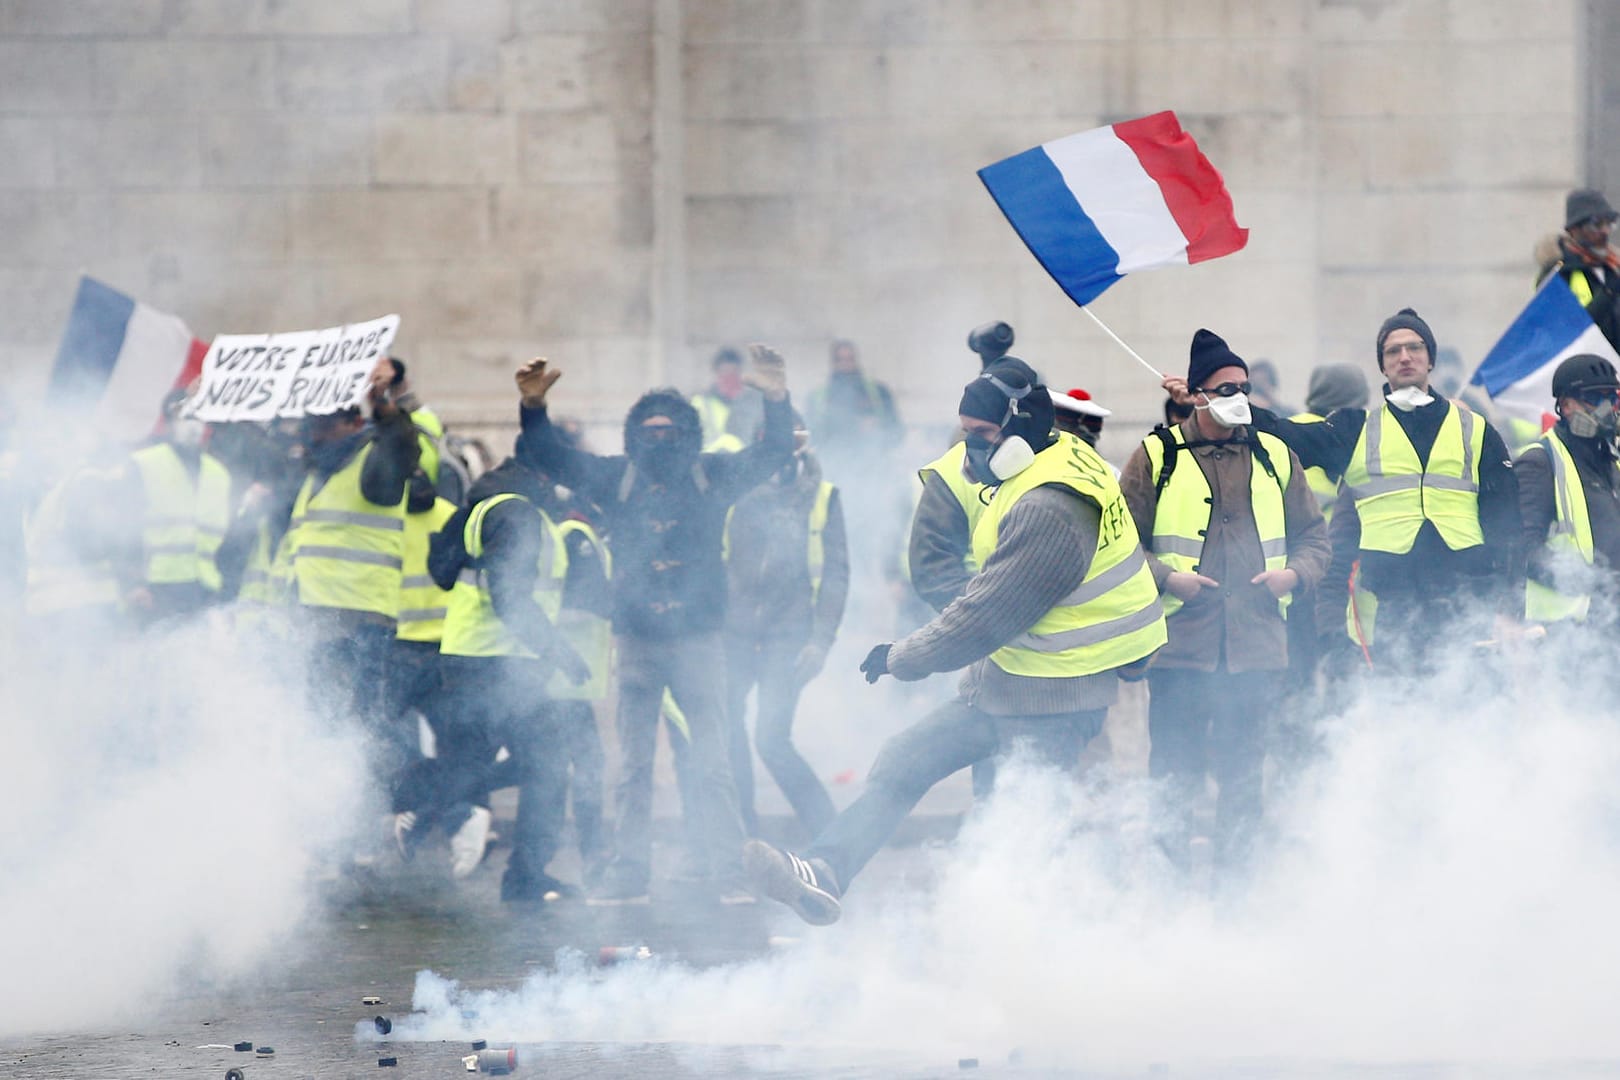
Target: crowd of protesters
{"points": [[1247, 562]]}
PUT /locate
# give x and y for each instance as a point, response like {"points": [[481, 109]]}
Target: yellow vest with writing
{"points": [[346, 552], [471, 626], [1395, 494], [422, 604], [185, 518], [1182, 515], [1113, 617]]}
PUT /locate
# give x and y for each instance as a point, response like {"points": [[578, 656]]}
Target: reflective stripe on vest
{"points": [[1181, 518], [1114, 616], [346, 552], [591, 635], [1569, 539], [1395, 494], [969, 495], [422, 604], [57, 579], [185, 518], [471, 626]]}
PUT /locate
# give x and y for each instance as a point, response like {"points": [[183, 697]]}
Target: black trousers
{"points": [[1205, 724]]}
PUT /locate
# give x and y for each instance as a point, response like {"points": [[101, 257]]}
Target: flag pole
{"points": [[1157, 374]]}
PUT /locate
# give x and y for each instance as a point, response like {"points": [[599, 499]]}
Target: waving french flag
{"points": [[1096, 206], [1517, 372], [117, 358]]}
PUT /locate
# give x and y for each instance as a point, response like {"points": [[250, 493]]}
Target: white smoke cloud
{"points": [[1440, 887], [164, 803]]}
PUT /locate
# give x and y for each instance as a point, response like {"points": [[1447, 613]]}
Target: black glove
{"points": [[876, 664]]}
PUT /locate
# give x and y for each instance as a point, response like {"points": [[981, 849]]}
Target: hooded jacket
{"points": [[664, 507]]}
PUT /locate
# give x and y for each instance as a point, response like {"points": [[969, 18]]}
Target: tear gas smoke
{"points": [[1437, 885], [164, 801]]}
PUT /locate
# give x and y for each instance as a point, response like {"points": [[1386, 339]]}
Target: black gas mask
{"points": [[669, 445], [1006, 394]]}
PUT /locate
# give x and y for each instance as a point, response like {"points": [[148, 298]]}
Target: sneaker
{"points": [[470, 841], [619, 885], [541, 888], [404, 826], [805, 885]]}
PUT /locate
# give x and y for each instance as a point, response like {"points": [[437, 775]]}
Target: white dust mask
{"points": [[1012, 456], [1408, 398], [1230, 411]]}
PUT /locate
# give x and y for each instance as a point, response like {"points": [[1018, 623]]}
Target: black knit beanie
{"points": [[1209, 355], [1030, 415], [1406, 319]]}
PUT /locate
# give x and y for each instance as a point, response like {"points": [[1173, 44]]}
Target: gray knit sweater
{"points": [[1046, 544]]}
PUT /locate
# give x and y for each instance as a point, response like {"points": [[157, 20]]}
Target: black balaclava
{"points": [[1009, 395], [663, 459]]}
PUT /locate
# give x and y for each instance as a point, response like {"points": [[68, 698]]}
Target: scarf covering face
{"points": [[1607, 258]]}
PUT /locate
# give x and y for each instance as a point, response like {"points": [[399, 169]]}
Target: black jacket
{"points": [[668, 577], [768, 563]]}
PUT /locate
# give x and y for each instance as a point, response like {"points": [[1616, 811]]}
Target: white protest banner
{"points": [[299, 373]]}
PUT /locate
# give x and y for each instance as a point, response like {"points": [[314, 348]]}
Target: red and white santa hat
{"points": [[1079, 401]]}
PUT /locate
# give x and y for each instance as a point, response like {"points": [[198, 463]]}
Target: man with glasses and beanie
{"points": [[1232, 531], [1427, 519], [1569, 498]]}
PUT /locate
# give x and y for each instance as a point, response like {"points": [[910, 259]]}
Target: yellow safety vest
{"points": [[471, 626], [185, 519], [1581, 287], [590, 634], [948, 467], [1113, 617], [723, 443], [1569, 537], [346, 551], [1395, 494], [430, 429], [57, 579], [714, 414], [816, 554], [1184, 506], [422, 604], [1322, 486]]}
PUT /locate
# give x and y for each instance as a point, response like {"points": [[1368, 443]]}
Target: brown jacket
{"points": [[1235, 627]]}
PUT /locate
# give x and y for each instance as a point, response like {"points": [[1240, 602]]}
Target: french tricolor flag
{"points": [[117, 359], [1517, 372], [1096, 206]]}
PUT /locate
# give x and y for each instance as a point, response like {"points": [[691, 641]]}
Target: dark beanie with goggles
{"points": [[1008, 395], [1406, 319], [1209, 354]]}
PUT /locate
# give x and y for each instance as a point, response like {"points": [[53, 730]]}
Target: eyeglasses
{"points": [[1598, 397], [1227, 389], [1416, 348]]}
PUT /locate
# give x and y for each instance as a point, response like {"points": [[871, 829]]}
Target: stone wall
{"points": [[624, 184]]}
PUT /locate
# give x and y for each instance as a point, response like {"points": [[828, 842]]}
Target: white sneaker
{"points": [[404, 823], [469, 843]]}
